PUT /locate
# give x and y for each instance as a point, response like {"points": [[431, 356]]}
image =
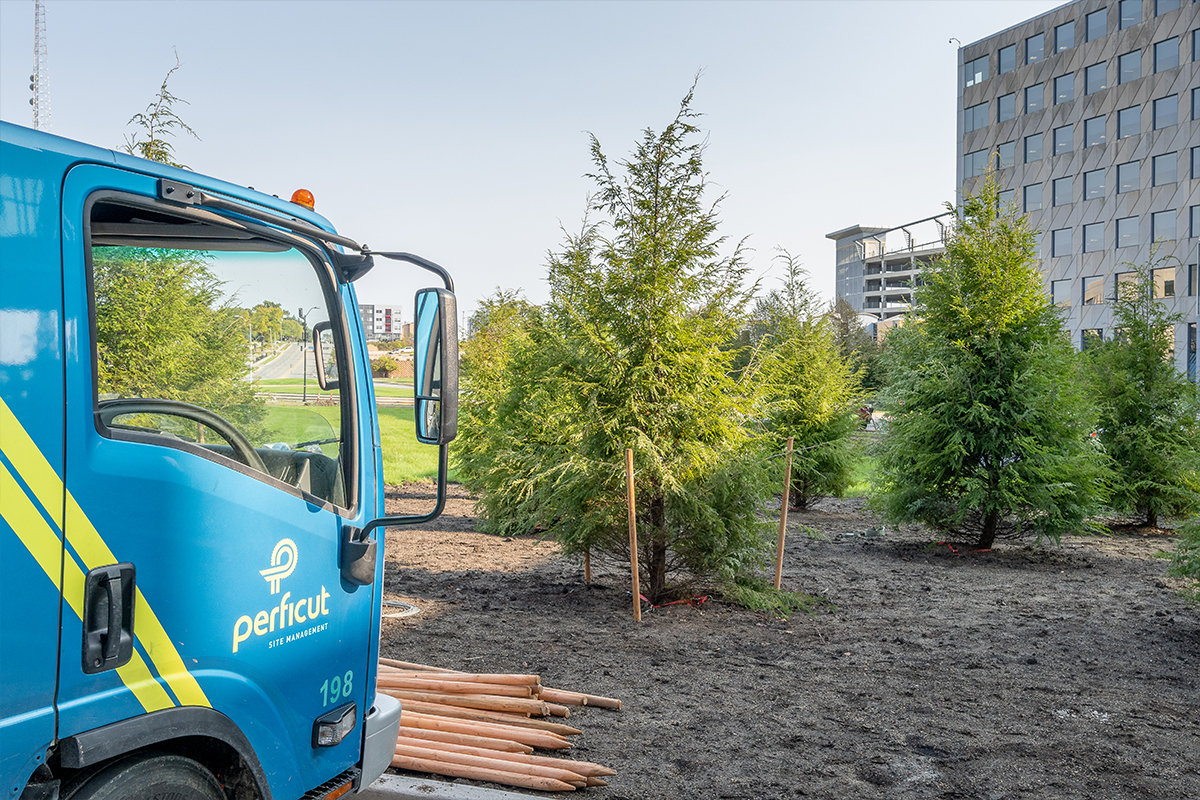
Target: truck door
{"points": [[209, 513]]}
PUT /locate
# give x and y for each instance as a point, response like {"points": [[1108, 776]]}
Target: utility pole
{"points": [[39, 81]]}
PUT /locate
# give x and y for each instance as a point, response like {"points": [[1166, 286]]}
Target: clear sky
{"points": [[458, 130]]}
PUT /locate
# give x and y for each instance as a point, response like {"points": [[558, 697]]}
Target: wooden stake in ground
{"points": [[587, 567], [783, 509], [633, 554]]}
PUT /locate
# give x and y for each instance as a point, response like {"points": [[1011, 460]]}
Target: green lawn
{"points": [[860, 481], [294, 386], [403, 458]]}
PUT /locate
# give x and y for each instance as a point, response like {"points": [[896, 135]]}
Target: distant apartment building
{"points": [[1091, 115], [878, 268], [383, 323]]}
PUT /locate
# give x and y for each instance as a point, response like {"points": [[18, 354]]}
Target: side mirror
{"points": [[435, 366], [326, 379]]}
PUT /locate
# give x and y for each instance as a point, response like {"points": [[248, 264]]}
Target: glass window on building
{"points": [[975, 117], [1060, 292], [1006, 107], [1095, 78], [1127, 231], [1007, 198], [1006, 155], [1129, 177], [1031, 197], [1163, 6], [1063, 140], [1093, 131], [1060, 242], [1129, 67], [1125, 284], [1195, 170], [1165, 169], [1196, 104], [1035, 48], [1033, 148], [1097, 24], [1062, 190], [1164, 281], [1093, 184], [1093, 237], [1093, 290], [1162, 225], [1034, 98], [1130, 12], [1166, 54], [1166, 112], [975, 71], [1191, 351], [1194, 222], [1129, 122], [1064, 36], [1196, 45], [1007, 60], [1090, 337], [1064, 88], [975, 163]]}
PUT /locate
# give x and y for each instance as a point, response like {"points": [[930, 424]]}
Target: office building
{"points": [[1091, 115], [383, 323]]}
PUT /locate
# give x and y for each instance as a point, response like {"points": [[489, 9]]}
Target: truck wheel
{"points": [[148, 776]]}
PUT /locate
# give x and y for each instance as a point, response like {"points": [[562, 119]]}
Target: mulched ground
{"points": [[1052, 672]]}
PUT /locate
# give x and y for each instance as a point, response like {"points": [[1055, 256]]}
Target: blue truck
{"points": [[192, 577]]}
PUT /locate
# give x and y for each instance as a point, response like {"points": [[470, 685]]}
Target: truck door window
{"points": [[202, 342]]}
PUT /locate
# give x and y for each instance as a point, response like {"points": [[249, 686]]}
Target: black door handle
{"points": [[108, 594]]}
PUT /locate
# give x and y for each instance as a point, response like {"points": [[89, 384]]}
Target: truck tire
{"points": [[146, 776]]}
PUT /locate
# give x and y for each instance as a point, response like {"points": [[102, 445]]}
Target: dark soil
{"points": [[1054, 672]]}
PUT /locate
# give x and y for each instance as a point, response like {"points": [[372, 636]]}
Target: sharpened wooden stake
{"points": [[787, 486], [587, 567], [633, 553]]}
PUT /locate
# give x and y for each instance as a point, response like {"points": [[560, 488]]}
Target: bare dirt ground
{"points": [[1054, 672]]}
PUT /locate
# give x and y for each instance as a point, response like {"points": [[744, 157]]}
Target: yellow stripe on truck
{"points": [[48, 488], [91, 548], [39, 538]]}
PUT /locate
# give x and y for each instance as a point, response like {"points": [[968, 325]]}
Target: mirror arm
{"points": [[409, 258], [417, 519]]}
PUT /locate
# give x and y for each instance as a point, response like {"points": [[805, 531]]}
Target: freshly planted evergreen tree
{"points": [[990, 421], [628, 354], [811, 388], [1149, 412]]}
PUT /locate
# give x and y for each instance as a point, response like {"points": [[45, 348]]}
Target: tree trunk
{"points": [[991, 523], [1151, 518], [656, 561]]}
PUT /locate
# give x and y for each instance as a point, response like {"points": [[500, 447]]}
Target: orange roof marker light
{"points": [[303, 197]]}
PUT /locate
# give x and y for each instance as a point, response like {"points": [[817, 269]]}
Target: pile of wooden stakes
{"points": [[485, 727]]}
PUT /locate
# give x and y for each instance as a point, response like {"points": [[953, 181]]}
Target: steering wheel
{"points": [[109, 410]]}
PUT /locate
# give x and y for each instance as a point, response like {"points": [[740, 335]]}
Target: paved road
{"points": [[287, 364]]}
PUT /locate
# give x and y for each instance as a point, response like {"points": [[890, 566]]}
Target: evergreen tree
{"points": [[1149, 413], [990, 422], [159, 122], [812, 388], [628, 354]]}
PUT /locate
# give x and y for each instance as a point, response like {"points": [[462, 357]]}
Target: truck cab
{"points": [[193, 573]]}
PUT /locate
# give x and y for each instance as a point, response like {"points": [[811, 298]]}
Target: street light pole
{"points": [[304, 349]]}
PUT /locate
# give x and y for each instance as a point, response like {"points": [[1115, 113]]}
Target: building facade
{"points": [[383, 323], [878, 268], [1090, 115]]}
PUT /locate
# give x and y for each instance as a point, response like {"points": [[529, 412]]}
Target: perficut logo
{"points": [[283, 619], [283, 562]]}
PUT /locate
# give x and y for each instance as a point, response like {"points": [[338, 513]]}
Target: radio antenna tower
{"points": [[39, 81]]}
